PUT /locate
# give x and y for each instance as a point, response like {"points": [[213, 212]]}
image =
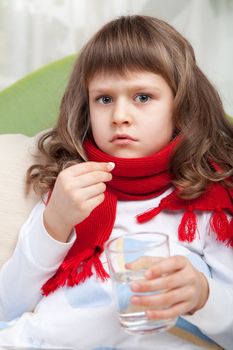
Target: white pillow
{"points": [[16, 155]]}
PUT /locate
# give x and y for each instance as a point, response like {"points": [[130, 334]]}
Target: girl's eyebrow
{"points": [[138, 87], [141, 87], [99, 90]]}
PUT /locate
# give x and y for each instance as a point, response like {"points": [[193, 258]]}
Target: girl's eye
{"points": [[142, 98], [104, 100]]}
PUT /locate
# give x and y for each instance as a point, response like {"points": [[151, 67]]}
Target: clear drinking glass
{"points": [[141, 250]]}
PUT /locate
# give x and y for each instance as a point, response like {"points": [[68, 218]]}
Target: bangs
{"points": [[122, 46]]}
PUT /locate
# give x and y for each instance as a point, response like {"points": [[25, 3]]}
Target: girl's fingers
{"points": [[144, 262], [166, 266], [92, 203], [88, 167], [92, 178], [89, 192], [175, 311], [164, 300], [158, 266], [166, 282]]}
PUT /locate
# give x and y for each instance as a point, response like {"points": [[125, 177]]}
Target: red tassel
{"points": [[148, 215], [188, 226], [100, 271], [71, 272], [220, 225], [54, 282], [79, 274]]}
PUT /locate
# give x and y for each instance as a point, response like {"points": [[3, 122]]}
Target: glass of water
{"points": [[128, 258]]}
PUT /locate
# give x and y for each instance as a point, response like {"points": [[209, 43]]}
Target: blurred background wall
{"points": [[36, 32]]}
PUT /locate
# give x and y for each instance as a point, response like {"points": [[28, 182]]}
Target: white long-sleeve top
{"points": [[84, 317]]}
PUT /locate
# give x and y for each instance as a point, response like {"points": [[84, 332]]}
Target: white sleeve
{"points": [[35, 259], [215, 319]]}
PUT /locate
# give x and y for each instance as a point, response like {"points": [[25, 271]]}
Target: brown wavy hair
{"points": [[143, 43]]}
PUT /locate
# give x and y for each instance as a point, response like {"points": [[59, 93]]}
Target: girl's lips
{"points": [[122, 139]]}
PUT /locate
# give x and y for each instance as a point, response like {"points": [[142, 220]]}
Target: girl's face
{"points": [[131, 116]]}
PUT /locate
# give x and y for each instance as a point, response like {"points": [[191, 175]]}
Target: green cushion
{"points": [[32, 103]]}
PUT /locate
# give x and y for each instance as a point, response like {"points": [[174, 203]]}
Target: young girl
{"points": [[141, 144]]}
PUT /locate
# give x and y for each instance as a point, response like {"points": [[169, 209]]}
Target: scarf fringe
{"points": [[58, 280], [220, 225], [71, 272], [76, 270], [188, 226], [100, 271], [148, 215]]}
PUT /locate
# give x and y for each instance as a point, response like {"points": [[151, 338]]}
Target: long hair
{"points": [[143, 43]]}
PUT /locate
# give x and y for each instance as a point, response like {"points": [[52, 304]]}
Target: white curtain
{"points": [[35, 32]]}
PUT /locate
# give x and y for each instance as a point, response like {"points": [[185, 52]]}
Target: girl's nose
{"points": [[121, 114]]}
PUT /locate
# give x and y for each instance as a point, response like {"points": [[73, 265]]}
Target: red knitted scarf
{"points": [[138, 179]]}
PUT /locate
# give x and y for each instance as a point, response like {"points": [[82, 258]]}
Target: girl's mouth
{"points": [[122, 139]]}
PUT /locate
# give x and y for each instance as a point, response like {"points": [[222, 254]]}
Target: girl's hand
{"points": [[77, 191], [183, 288]]}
